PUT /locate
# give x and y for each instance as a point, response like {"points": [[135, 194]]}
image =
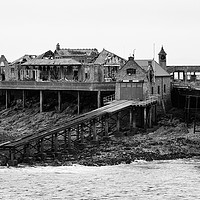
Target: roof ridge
{"points": [[79, 49]]}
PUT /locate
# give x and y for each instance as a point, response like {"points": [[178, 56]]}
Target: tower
{"points": [[162, 59]]}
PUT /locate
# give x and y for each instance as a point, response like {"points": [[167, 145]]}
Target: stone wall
{"points": [[163, 82]]}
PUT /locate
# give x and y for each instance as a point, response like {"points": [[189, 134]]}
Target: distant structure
{"points": [[162, 58], [88, 70], [141, 79], [3, 65]]}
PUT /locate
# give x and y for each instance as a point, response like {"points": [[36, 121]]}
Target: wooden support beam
{"points": [[7, 99], [188, 110], [55, 142], [41, 101], [24, 98], [27, 150], [12, 156], [78, 102], [94, 131], [65, 140], [82, 132], [59, 101], [150, 117], [134, 119], [145, 118], [90, 130], [99, 99], [106, 126], [195, 118], [69, 139], [42, 145], [155, 113], [118, 122], [131, 118], [77, 132]]}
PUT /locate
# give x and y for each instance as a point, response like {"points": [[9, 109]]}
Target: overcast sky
{"points": [[120, 26]]}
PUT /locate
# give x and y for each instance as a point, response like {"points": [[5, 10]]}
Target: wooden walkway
{"points": [[88, 126]]}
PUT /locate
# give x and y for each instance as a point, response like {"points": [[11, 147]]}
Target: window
{"points": [[131, 71], [158, 89], [86, 75], [151, 90], [12, 70], [123, 85], [164, 88]]}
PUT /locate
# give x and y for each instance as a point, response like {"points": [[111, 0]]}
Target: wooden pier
{"points": [[83, 129]]}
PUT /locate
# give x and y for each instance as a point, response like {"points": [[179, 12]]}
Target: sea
{"points": [[172, 179]]}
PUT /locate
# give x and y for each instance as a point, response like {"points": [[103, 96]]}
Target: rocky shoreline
{"points": [[173, 140]]}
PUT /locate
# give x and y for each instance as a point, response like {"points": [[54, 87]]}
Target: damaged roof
{"points": [[105, 56], [50, 62], [158, 70], [47, 54], [77, 52], [23, 59]]}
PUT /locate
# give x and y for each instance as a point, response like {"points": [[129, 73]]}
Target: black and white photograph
{"points": [[100, 100]]}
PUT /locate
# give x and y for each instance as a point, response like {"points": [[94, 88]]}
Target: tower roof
{"points": [[162, 51]]}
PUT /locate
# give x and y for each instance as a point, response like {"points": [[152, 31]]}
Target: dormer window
{"points": [[131, 71]]}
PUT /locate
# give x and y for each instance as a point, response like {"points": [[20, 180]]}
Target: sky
{"points": [[120, 26]]}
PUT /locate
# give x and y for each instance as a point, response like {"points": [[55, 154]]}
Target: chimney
{"points": [[58, 47], [131, 57]]}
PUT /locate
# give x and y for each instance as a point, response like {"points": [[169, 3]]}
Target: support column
{"points": [[131, 119], [99, 99], [7, 99], [90, 130], [42, 145], [134, 119], [188, 110], [106, 127], [41, 101], [82, 136], [27, 150], [155, 112], [78, 133], [118, 123], [150, 117], [24, 98], [94, 130], [78, 104], [12, 161], [55, 142], [145, 118], [65, 140], [69, 138], [59, 101], [195, 118]]}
